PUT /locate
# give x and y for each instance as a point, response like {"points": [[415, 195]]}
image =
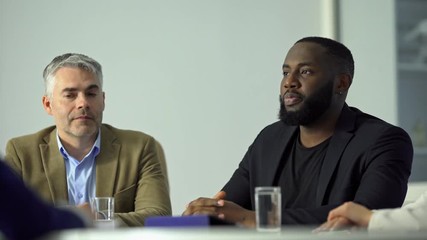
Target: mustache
{"points": [[290, 93], [83, 113]]}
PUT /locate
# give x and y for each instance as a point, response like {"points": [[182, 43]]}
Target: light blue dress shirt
{"points": [[81, 175]]}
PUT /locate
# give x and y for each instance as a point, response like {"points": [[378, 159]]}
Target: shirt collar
{"points": [[95, 148]]}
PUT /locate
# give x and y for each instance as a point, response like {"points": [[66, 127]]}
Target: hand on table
{"points": [[87, 210], [218, 207], [347, 215]]}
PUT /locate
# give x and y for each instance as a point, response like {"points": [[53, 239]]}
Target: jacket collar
{"points": [[54, 166], [344, 132], [106, 163]]}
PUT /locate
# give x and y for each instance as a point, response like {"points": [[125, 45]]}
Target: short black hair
{"points": [[341, 53]]}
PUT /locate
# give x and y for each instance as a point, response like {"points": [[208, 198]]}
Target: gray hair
{"points": [[73, 60]]}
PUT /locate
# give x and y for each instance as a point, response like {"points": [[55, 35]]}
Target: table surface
{"points": [[223, 233]]}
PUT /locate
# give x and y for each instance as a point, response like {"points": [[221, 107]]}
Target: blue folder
{"points": [[184, 221]]}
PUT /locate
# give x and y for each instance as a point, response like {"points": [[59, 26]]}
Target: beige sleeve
{"points": [[410, 217]]}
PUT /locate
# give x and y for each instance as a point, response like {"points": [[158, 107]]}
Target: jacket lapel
{"points": [[273, 161], [343, 134], [54, 169], [106, 163]]}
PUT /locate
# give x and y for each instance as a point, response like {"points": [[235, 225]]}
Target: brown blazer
{"points": [[130, 167]]}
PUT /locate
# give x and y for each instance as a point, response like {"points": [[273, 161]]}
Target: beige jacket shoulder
{"points": [[130, 167]]}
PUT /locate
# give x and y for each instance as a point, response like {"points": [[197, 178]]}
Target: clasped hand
{"points": [[222, 209]]}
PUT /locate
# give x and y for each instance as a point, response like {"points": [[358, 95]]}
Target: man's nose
{"points": [[291, 81], [82, 101]]}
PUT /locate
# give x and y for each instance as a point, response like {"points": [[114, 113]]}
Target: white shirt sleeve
{"points": [[410, 217]]}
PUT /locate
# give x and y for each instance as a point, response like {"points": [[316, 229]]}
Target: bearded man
{"points": [[322, 152]]}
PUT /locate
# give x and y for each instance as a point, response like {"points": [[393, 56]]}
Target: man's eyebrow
{"points": [[71, 89], [299, 64], [93, 86]]}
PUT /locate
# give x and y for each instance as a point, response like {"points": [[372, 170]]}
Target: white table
{"points": [[223, 233]]}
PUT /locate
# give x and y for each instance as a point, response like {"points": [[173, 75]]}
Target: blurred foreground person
{"points": [[23, 215]]}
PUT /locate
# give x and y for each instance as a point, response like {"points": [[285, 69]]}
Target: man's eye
{"points": [[68, 95], [306, 71], [285, 73], [91, 94]]}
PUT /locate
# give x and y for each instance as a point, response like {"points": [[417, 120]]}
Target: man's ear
{"points": [[343, 83], [103, 101], [47, 104]]}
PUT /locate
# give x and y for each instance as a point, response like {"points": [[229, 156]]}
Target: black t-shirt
{"points": [[299, 177]]}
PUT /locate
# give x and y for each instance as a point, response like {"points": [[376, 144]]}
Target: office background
{"points": [[201, 76]]}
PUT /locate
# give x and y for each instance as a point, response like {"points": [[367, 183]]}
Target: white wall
{"points": [[368, 28], [201, 76]]}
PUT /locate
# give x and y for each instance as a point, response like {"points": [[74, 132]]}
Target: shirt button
{"points": [[80, 195]]}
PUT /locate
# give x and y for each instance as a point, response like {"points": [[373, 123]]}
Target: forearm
{"points": [[409, 217], [134, 219]]}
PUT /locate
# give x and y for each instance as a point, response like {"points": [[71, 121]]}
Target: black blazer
{"points": [[367, 161]]}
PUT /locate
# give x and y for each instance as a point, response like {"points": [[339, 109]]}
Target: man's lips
{"points": [[290, 99], [85, 117]]}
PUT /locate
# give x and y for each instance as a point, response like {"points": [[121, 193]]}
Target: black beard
{"points": [[313, 107]]}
